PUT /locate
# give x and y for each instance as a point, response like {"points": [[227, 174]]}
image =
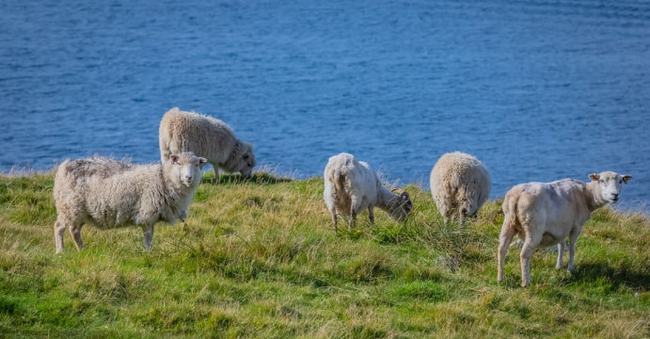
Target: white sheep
{"points": [[460, 184], [352, 186], [207, 137], [109, 193], [545, 214]]}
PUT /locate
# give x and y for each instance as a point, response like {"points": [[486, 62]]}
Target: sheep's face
{"points": [[610, 183], [401, 206], [467, 208], [186, 168], [247, 161]]}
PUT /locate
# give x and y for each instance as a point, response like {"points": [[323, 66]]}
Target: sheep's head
{"points": [[400, 206], [468, 205], [185, 168], [610, 184], [246, 160]]}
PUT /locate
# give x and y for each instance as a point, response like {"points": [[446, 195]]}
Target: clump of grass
{"points": [[258, 257]]}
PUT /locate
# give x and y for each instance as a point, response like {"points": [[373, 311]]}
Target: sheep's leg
{"points": [[572, 250], [371, 214], [334, 219], [461, 218], [59, 230], [526, 253], [507, 232], [448, 215], [75, 231], [355, 206], [215, 169], [352, 220], [560, 254], [148, 237]]}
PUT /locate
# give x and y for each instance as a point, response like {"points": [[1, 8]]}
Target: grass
{"points": [[260, 258]]}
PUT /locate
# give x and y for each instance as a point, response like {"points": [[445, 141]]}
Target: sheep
{"points": [[207, 137], [108, 193], [351, 186], [545, 214], [460, 185]]}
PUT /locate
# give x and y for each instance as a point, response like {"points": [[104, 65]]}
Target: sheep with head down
{"points": [[460, 185], [206, 137], [108, 193], [352, 186]]}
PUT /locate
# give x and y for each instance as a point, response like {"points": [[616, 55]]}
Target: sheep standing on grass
{"points": [[207, 137], [544, 214], [351, 186], [460, 184], [109, 193]]}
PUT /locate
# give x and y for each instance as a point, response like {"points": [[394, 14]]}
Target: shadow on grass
{"points": [[617, 276], [256, 178]]}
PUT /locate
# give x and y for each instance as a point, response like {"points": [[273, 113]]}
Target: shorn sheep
{"points": [[109, 193], [545, 214], [460, 184], [207, 137], [352, 186]]}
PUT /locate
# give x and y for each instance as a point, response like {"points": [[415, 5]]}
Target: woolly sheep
{"points": [[207, 137], [351, 186], [460, 184], [109, 193], [545, 214]]}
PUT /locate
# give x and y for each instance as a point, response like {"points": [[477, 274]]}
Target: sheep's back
{"points": [[201, 134], [459, 172]]}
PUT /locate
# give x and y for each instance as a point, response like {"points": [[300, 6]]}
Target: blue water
{"points": [[538, 90]]}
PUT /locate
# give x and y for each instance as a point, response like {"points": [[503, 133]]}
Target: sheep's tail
{"points": [[164, 139], [164, 151], [339, 178], [509, 208]]}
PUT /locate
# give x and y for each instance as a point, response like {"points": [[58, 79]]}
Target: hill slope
{"points": [[261, 259]]}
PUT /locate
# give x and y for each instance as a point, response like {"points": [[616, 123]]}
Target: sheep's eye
{"points": [[245, 156]]}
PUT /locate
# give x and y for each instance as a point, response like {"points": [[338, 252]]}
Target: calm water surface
{"points": [[538, 90]]}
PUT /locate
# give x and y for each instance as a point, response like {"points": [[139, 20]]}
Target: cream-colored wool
{"points": [[109, 193], [352, 186], [460, 185], [545, 214], [207, 137]]}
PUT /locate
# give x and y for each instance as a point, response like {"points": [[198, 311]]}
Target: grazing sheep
{"points": [[351, 186], [544, 214], [110, 193], [460, 184], [207, 137]]}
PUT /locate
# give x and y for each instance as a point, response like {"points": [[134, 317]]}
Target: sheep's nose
{"points": [[615, 196], [188, 177]]}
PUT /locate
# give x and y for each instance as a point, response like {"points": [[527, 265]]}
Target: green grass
{"points": [[260, 258]]}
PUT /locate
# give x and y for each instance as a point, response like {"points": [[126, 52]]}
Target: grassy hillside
{"points": [[261, 259]]}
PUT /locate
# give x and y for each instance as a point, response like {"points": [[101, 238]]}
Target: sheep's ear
{"points": [[174, 158], [627, 178], [594, 176], [202, 160]]}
